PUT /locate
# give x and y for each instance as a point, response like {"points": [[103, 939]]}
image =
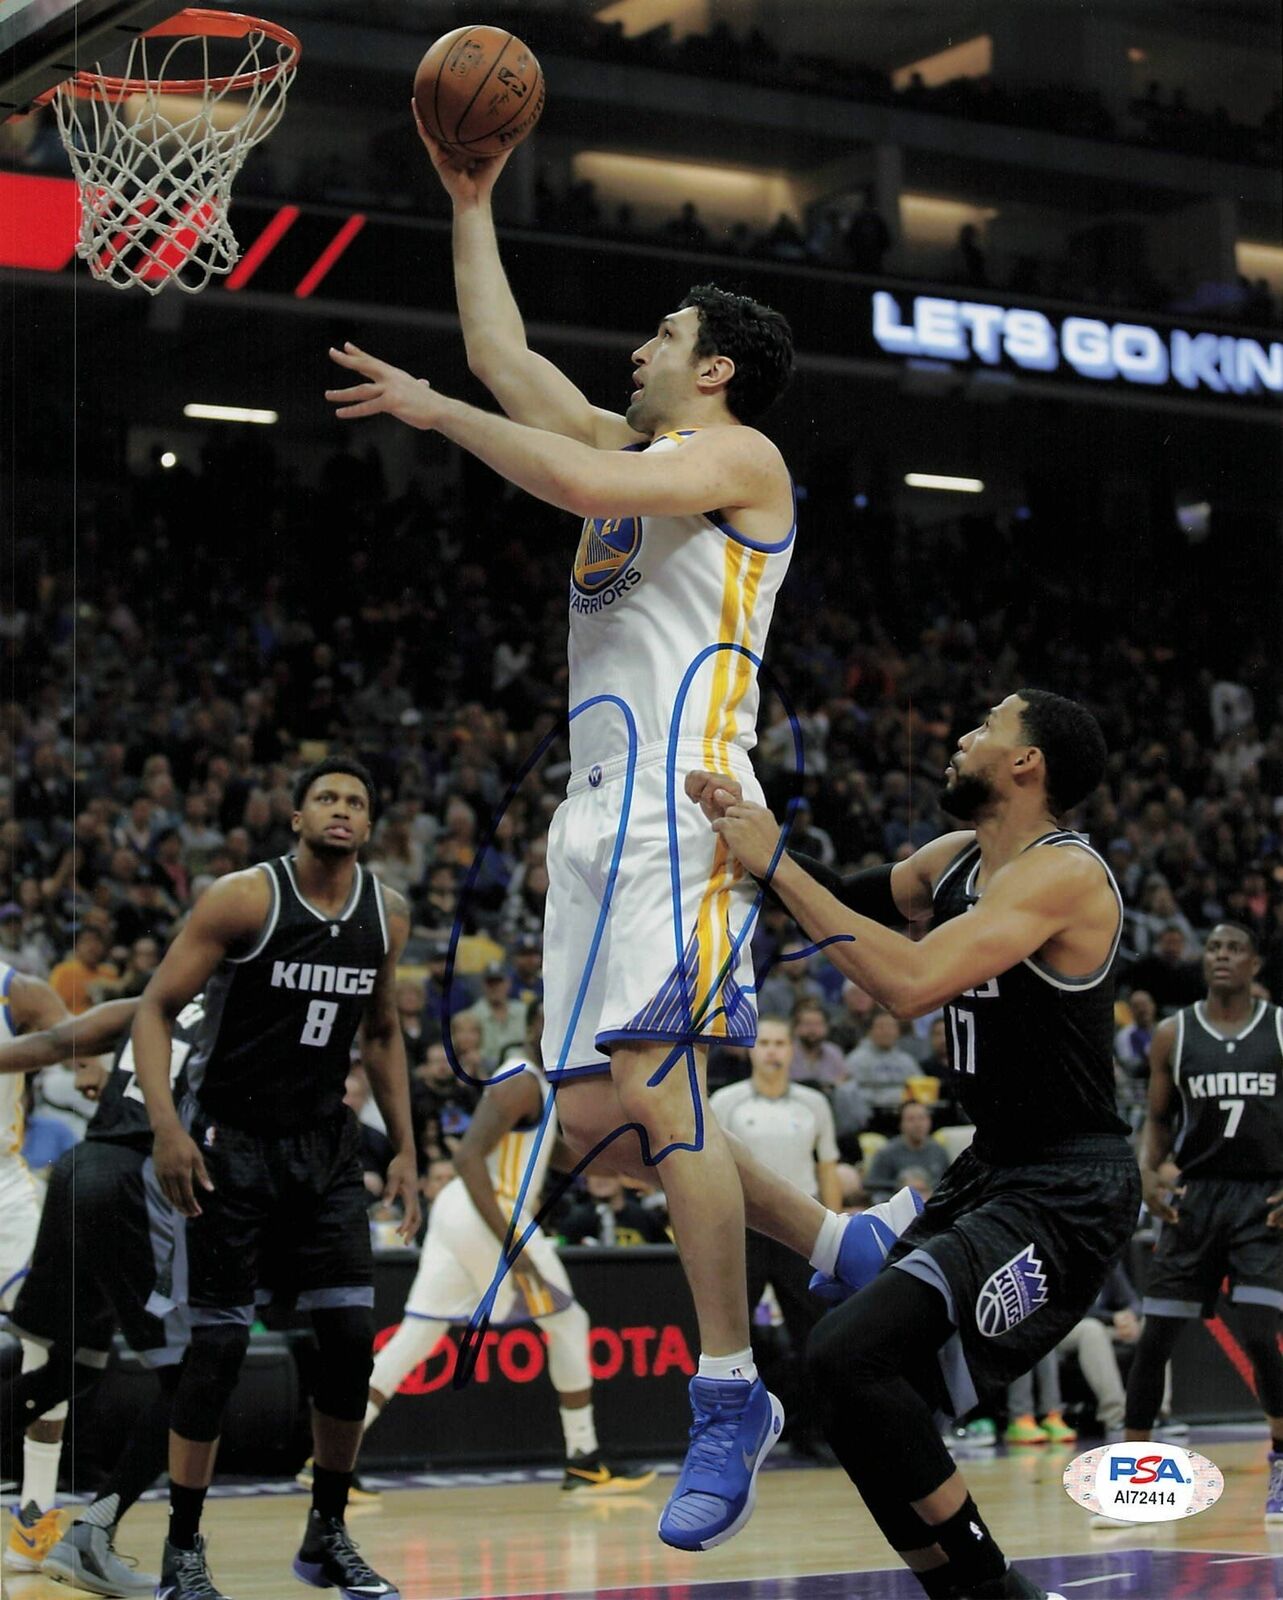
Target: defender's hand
{"points": [[403, 1187], [386, 389], [468, 180], [1155, 1192], [713, 792], [179, 1168], [751, 833]]}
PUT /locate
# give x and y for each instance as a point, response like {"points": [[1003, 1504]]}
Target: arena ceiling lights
{"points": [[200, 412], [937, 480]]}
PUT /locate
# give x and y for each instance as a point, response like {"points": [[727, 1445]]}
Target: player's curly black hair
{"points": [[1072, 745], [757, 339], [320, 769]]}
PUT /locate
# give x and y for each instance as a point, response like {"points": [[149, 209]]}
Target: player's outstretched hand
{"points": [[1275, 1217], [713, 792], [1158, 1195], [179, 1168], [403, 1187], [751, 834], [467, 180], [386, 389]]}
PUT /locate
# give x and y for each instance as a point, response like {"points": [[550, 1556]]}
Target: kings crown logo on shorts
{"points": [[1014, 1292]]}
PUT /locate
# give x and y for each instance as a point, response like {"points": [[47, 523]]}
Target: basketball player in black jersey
{"points": [[1221, 1062], [1013, 1246], [263, 1162], [101, 1253]]}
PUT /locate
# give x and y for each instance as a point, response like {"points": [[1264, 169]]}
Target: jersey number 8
{"points": [[320, 1023]]}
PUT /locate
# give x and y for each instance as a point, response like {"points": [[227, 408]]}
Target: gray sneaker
{"points": [[86, 1558]]}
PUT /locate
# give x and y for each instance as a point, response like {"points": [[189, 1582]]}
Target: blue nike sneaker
{"points": [[866, 1241], [735, 1425]]}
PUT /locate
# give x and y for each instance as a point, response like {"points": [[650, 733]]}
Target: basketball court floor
{"points": [[451, 1536]]}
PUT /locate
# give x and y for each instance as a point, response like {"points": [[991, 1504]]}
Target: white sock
{"points": [[580, 1430], [371, 1411], [824, 1253], [739, 1364], [40, 1473]]}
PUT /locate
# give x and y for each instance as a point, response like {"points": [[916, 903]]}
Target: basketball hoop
{"points": [[155, 149]]}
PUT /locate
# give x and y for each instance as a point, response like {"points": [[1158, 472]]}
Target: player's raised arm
{"points": [[33, 1005], [383, 1057], [229, 916], [527, 385], [1157, 1134], [89, 1034]]}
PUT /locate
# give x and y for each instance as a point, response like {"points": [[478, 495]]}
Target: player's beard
{"points": [[969, 795], [332, 849]]}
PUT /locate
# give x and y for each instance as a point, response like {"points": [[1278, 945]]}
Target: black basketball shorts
{"points": [[287, 1219], [96, 1261], [1019, 1254], [1221, 1232]]}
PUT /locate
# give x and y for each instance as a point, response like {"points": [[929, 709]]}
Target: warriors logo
{"points": [[607, 547]]}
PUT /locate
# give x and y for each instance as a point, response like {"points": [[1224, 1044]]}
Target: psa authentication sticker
{"points": [[1143, 1481]]}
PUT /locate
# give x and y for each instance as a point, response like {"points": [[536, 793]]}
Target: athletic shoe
{"points": [[86, 1558], [359, 1494], [1170, 1428], [865, 1243], [1057, 1430], [184, 1574], [1274, 1494], [1013, 1585], [983, 1432], [32, 1535], [329, 1559], [1024, 1430], [735, 1425], [590, 1475]]}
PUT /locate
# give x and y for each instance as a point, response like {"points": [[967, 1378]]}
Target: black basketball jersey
{"points": [[1231, 1089], [274, 1050], [1032, 1050], [121, 1117]]}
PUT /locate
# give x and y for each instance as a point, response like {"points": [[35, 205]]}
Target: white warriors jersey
{"points": [[11, 1087], [650, 595], [508, 1161]]}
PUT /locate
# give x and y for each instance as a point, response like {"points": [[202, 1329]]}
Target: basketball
{"points": [[479, 91]]}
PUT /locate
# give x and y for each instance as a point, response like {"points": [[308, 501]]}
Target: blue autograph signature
{"points": [[701, 1015]]}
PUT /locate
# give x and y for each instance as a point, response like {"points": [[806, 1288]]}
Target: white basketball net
{"points": [[155, 167]]}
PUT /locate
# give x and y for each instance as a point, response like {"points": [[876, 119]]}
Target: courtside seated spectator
{"points": [[913, 1150], [881, 1066]]}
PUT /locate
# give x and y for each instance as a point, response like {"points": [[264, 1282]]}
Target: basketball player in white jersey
{"points": [[27, 1005], [688, 523], [467, 1221]]}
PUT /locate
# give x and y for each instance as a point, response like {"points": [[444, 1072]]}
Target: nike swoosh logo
{"points": [[591, 1475], [23, 1537]]}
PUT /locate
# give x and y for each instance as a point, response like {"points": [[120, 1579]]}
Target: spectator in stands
{"points": [[789, 982], [686, 230], [437, 1094], [1167, 974], [855, 1007], [867, 236], [816, 1059], [1131, 1043], [970, 266], [71, 980], [440, 1001], [880, 1065], [17, 950], [502, 1019], [1112, 1321], [783, 240], [912, 1149], [409, 1007], [144, 958], [610, 1214], [526, 983]]}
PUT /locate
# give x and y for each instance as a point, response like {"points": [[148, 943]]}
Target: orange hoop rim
{"points": [[194, 23]]}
